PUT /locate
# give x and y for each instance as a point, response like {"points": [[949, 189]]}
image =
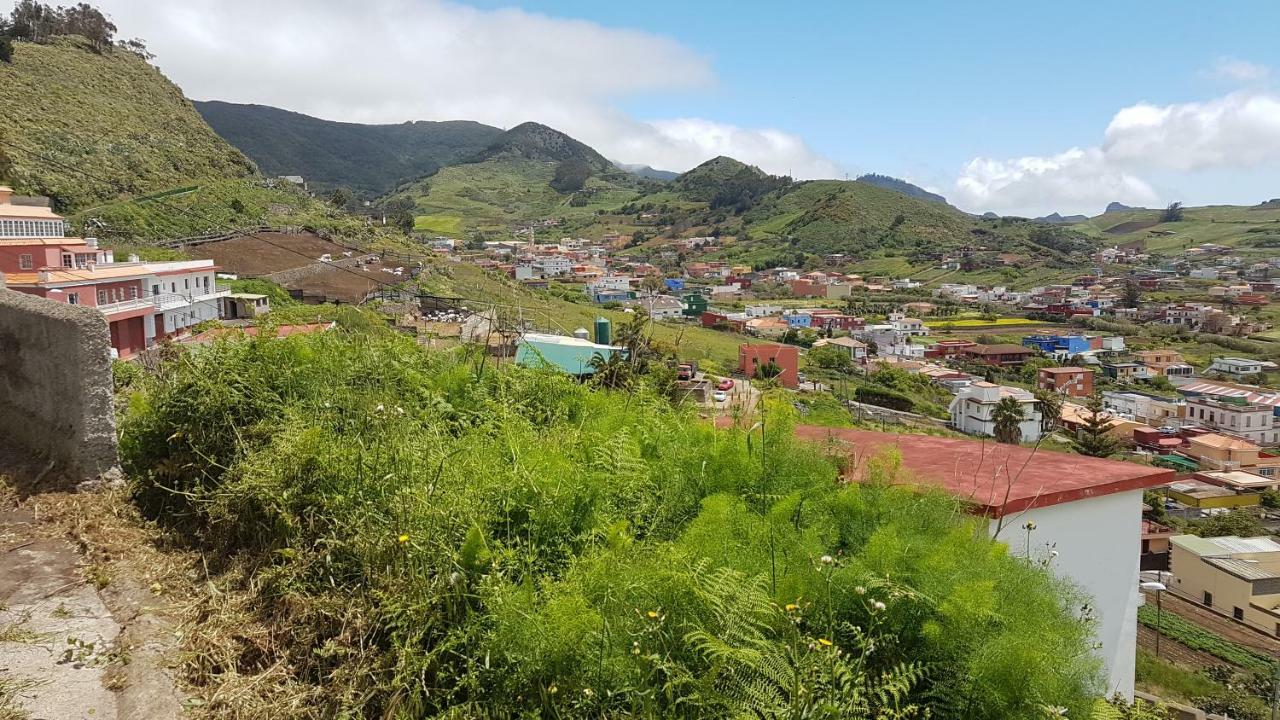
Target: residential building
{"points": [[838, 321], [1086, 509], [770, 327], [1125, 371], [1070, 381], [1235, 575], [756, 311], [1001, 355], [658, 307], [1058, 344], [857, 350], [1168, 363], [785, 357], [1240, 481], [973, 410], [1152, 410], [836, 291], [694, 305], [908, 326], [1203, 495], [946, 349], [552, 266], [1236, 416], [1239, 368], [142, 302], [1212, 451]]}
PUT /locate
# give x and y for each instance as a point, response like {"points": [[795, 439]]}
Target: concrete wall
{"points": [[1098, 542], [55, 389]]}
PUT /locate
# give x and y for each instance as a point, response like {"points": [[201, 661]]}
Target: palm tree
{"points": [[1008, 416]]}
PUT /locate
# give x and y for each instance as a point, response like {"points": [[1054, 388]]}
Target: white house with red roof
{"points": [[142, 302], [1081, 515]]}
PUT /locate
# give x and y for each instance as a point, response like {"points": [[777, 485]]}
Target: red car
{"points": [[725, 384]]}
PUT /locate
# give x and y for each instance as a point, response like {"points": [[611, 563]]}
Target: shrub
{"points": [[414, 533]]}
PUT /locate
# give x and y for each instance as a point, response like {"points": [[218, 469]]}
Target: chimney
{"points": [[91, 242], [90, 266], [133, 258], [6, 192]]}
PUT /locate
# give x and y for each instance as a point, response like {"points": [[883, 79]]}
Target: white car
{"points": [[720, 396]]}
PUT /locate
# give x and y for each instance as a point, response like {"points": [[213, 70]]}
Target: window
{"points": [[25, 262], [102, 297], [133, 292], [186, 283], [73, 298], [1237, 613], [67, 260], [1208, 599], [155, 289]]}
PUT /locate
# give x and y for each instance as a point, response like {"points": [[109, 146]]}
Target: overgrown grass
{"points": [[399, 533]]}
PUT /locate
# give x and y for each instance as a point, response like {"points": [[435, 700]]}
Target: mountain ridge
{"points": [[370, 158]]}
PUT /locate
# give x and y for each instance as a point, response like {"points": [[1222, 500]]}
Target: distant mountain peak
{"points": [[535, 141], [1060, 219], [646, 171], [892, 183], [1118, 207]]}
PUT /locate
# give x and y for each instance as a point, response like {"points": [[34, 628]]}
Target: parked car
{"points": [[720, 396], [725, 384]]}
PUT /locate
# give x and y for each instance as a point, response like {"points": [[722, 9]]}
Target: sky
{"points": [[1013, 107]]}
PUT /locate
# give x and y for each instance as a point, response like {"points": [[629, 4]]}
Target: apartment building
{"points": [[1070, 381], [1236, 416], [142, 302], [973, 410]]}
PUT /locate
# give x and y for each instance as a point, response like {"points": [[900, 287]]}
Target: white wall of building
{"points": [[1097, 541]]}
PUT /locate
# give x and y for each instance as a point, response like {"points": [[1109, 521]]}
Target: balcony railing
{"points": [[125, 305]]}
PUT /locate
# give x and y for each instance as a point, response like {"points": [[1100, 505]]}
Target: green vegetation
{"points": [[372, 159], [398, 533], [85, 127], [1198, 638], [276, 295]]}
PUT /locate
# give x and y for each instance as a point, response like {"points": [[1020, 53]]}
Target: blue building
{"points": [[1050, 344], [674, 284], [798, 320]]}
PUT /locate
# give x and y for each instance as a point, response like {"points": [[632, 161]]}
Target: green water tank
{"points": [[604, 331]]}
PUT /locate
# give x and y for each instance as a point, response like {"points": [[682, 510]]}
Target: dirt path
{"points": [[84, 630]]}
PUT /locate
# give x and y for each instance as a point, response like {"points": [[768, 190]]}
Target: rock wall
{"points": [[56, 405]]}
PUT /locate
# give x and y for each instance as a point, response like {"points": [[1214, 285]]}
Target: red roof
{"points": [[997, 479]]}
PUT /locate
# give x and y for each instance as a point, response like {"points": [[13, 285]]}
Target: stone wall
{"points": [[56, 405]]}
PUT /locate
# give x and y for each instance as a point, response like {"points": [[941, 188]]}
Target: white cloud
{"points": [[397, 60], [1240, 130], [1235, 70], [1078, 180]]}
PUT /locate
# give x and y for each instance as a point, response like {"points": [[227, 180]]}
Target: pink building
{"points": [[142, 302]]}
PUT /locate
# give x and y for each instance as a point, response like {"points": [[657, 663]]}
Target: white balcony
{"points": [[126, 305]]}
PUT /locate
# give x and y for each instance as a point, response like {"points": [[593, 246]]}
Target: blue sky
{"points": [[1021, 108], [921, 88]]}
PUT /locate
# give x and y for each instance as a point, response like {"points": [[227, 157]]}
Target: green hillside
{"points": [[369, 158], [1249, 229], [107, 125]]}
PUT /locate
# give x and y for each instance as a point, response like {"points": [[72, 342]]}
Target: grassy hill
{"points": [[1251, 230], [369, 158], [113, 117]]}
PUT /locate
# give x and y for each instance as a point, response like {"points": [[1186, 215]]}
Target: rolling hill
{"points": [[85, 127], [1250, 230], [372, 159], [902, 186]]}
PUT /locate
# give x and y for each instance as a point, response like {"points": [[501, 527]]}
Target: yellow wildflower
{"points": [[403, 539], [824, 642]]}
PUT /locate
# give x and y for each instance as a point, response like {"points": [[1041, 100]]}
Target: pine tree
{"points": [[1094, 439]]}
